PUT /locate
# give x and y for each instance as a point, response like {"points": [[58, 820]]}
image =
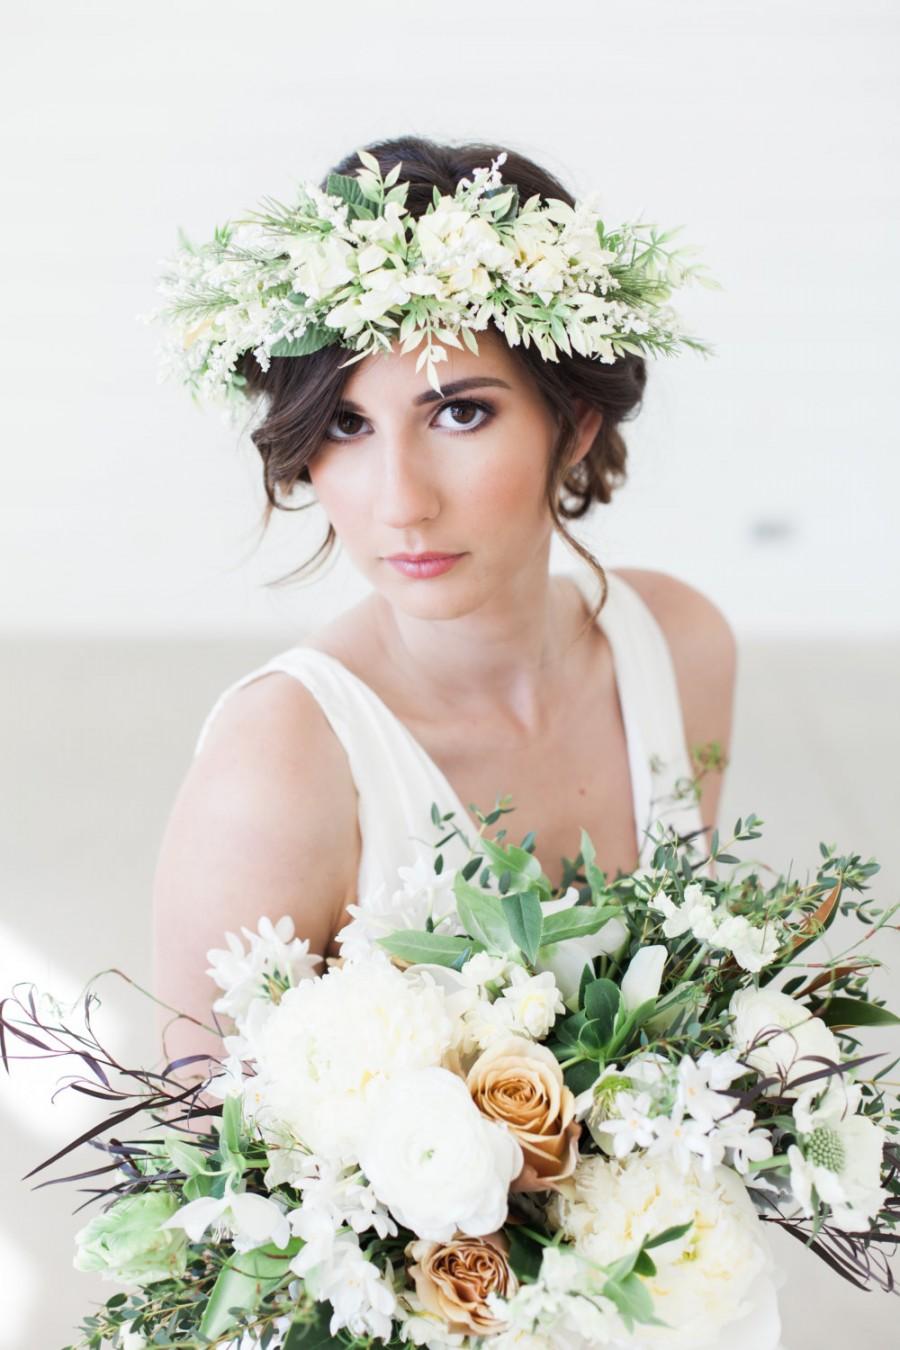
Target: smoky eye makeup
{"points": [[345, 413]]}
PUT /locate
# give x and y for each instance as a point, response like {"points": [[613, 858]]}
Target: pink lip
{"points": [[424, 564]]}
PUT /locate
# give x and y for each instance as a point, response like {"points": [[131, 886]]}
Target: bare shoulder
{"points": [[695, 627], [704, 655], [264, 824], [272, 760]]}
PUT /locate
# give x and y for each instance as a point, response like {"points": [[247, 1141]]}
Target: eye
{"points": [[468, 407], [345, 425], [340, 419]]}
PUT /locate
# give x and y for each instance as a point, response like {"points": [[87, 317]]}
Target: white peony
{"points": [[434, 1160], [706, 1279], [775, 1034], [329, 1041]]}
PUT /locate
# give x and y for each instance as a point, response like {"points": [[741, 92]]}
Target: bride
{"points": [[469, 671]]}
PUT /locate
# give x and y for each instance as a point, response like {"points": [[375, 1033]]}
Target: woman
{"points": [[459, 682]]}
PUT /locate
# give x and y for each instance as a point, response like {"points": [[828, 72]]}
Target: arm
{"points": [[265, 823]]}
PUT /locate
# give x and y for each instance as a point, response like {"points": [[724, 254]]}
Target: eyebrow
{"points": [[448, 390]]}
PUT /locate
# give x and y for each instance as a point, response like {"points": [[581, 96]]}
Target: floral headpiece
{"points": [[350, 266]]}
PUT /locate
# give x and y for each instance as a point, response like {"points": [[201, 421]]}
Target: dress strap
{"points": [[651, 707]]}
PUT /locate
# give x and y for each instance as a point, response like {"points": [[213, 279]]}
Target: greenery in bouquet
{"points": [[504, 1116]]}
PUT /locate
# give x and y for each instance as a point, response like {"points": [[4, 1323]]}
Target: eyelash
{"points": [[450, 403]]}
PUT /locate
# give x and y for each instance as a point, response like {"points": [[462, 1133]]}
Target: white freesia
{"points": [[777, 1036], [530, 1004], [274, 960], [329, 1041], [424, 895], [643, 978], [362, 1301], [699, 914], [422, 1125], [248, 1219], [706, 1278]]}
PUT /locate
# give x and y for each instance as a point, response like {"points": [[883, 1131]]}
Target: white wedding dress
{"points": [[396, 782]]}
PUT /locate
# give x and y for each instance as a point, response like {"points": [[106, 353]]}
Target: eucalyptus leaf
{"points": [[440, 949], [481, 914], [524, 917], [579, 921]]}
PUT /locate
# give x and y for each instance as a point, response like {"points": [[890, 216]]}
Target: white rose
{"points": [[782, 1033], [434, 1160]]}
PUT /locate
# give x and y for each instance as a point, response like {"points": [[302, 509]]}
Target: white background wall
{"points": [[766, 475]]}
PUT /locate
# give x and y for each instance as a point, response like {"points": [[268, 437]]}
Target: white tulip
{"points": [[643, 978]]}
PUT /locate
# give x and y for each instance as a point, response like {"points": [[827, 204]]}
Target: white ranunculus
{"points": [[330, 1040], [434, 1160], [714, 1276], [641, 981], [775, 1034]]}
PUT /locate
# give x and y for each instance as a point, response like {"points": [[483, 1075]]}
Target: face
{"points": [[404, 470]]}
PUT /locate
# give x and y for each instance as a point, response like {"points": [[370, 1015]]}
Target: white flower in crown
{"points": [[350, 266]]}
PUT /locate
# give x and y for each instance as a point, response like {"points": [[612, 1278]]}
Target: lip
{"points": [[421, 565], [421, 557]]}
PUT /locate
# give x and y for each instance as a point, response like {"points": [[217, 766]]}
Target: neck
{"points": [[501, 662]]}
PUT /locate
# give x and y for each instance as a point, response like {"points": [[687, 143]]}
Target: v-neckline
{"points": [[454, 802]]}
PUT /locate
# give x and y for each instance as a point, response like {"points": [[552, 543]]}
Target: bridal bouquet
{"points": [[504, 1117]]}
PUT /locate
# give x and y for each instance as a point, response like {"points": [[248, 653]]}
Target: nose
{"points": [[406, 492]]}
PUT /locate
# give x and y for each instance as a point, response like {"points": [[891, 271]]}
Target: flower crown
{"points": [[350, 266]]}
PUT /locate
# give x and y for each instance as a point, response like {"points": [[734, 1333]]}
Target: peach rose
{"points": [[454, 1278], [519, 1082]]}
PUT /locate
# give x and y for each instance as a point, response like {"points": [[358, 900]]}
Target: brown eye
{"points": [[344, 420], [464, 413]]}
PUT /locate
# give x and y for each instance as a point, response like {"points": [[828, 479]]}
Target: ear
{"points": [[590, 420]]}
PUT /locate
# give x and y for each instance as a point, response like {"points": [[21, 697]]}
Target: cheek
{"points": [[508, 486], [342, 495]]}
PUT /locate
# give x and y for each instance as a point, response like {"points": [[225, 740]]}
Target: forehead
{"points": [[394, 373]]}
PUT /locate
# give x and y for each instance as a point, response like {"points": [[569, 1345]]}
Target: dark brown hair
{"points": [[303, 393]]}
